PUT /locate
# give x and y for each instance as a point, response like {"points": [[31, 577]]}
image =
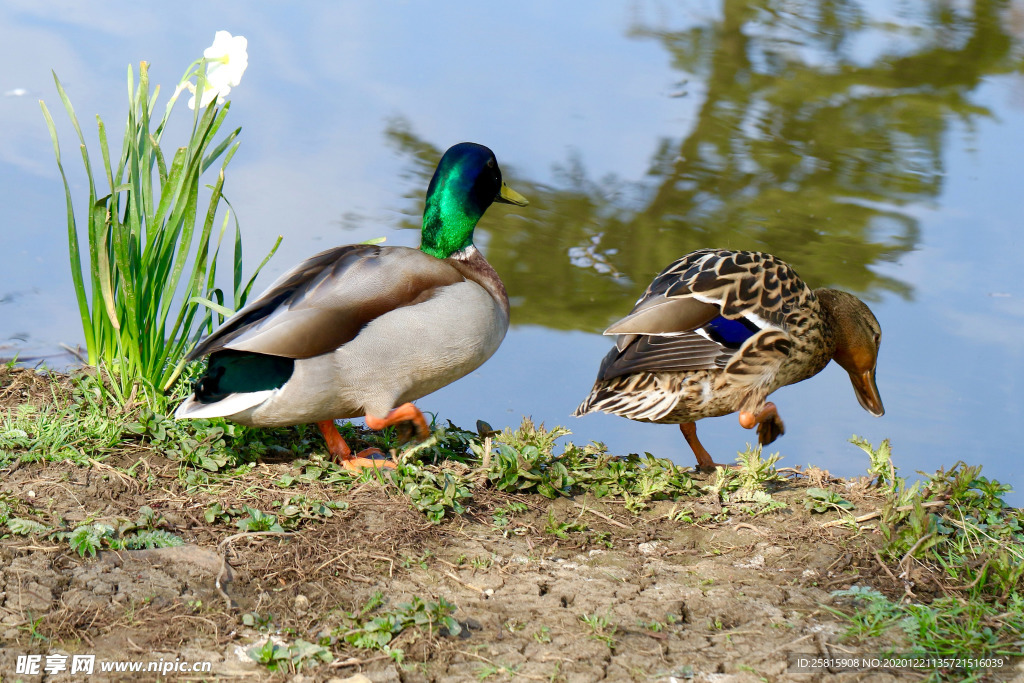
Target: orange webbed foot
{"points": [[368, 458], [769, 424], [342, 454], [405, 413]]}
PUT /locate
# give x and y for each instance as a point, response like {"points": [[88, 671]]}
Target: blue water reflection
{"points": [[641, 133]]}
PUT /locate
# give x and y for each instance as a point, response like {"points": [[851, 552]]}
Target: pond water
{"points": [[874, 146]]}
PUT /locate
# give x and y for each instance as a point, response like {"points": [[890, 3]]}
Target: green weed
{"points": [[255, 520], [293, 657], [601, 628], [823, 500], [563, 529], [378, 631], [91, 537]]}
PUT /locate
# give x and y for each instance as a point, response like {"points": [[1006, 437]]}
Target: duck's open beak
{"points": [[509, 196], [867, 392]]}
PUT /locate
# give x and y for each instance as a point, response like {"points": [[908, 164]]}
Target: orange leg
{"points": [[705, 463], [406, 412], [342, 454], [769, 424]]}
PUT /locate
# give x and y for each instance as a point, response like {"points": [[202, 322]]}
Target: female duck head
{"points": [[858, 336], [466, 182]]}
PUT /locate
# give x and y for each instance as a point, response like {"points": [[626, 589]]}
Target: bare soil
{"points": [[666, 600]]}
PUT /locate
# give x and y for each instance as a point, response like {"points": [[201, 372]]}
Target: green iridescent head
{"points": [[466, 182]]}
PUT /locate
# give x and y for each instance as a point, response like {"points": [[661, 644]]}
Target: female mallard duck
{"points": [[361, 330], [717, 331]]}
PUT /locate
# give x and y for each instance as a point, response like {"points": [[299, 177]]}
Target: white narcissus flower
{"points": [[226, 61]]}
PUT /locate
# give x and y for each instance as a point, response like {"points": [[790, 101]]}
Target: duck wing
{"points": [[699, 312], [323, 303]]}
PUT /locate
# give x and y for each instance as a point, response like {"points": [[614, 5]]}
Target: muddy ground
{"points": [[728, 600]]}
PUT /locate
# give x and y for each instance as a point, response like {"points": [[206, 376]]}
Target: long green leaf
{"points": [[223, 310], [266, 259], [73, 246], [99, 215]]}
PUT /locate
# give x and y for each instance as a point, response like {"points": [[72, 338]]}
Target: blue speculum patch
{"points": [[731, 333]]}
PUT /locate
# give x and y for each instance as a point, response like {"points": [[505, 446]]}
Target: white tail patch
{"points": [[227, 406]]}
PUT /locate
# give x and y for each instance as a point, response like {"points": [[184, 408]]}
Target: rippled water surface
{"points": [[877, 147]]}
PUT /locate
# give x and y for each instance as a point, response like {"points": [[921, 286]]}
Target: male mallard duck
{"points": [[717, 331], [361, 330]]}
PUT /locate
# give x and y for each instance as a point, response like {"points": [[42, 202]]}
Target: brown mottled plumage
{"points": [[717, 331]]}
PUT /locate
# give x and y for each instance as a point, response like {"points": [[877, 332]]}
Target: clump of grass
{"points": [[78, 423], [83, 421], [955, 528], [524, 461], [948, 628], [563, 529], [955, 521], [152, 249]]}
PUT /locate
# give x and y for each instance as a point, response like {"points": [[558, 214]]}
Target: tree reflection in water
{"points": [[804, 146]]}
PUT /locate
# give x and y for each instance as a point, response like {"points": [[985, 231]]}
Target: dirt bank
{"points": [[567, 589]]}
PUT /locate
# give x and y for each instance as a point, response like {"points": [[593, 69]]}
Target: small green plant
{"points": [[280, 657], [823, 500], [26, 527], [563, 529], [302, 654], [874, 614], [543, 635], [744, 489], [880, 466], [654, 625], [503, 516], [271, 655], [480, 563], [433, 493], [486, 670], [378, 631], [89, 538], [158, 538], [256, 520], [601, 627], [258, 621], [410, 561], [514, 625], [32, 628], [523, 461], [448, 443], [754, 472], [684, 515], [753, 502], [297, 510]]}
